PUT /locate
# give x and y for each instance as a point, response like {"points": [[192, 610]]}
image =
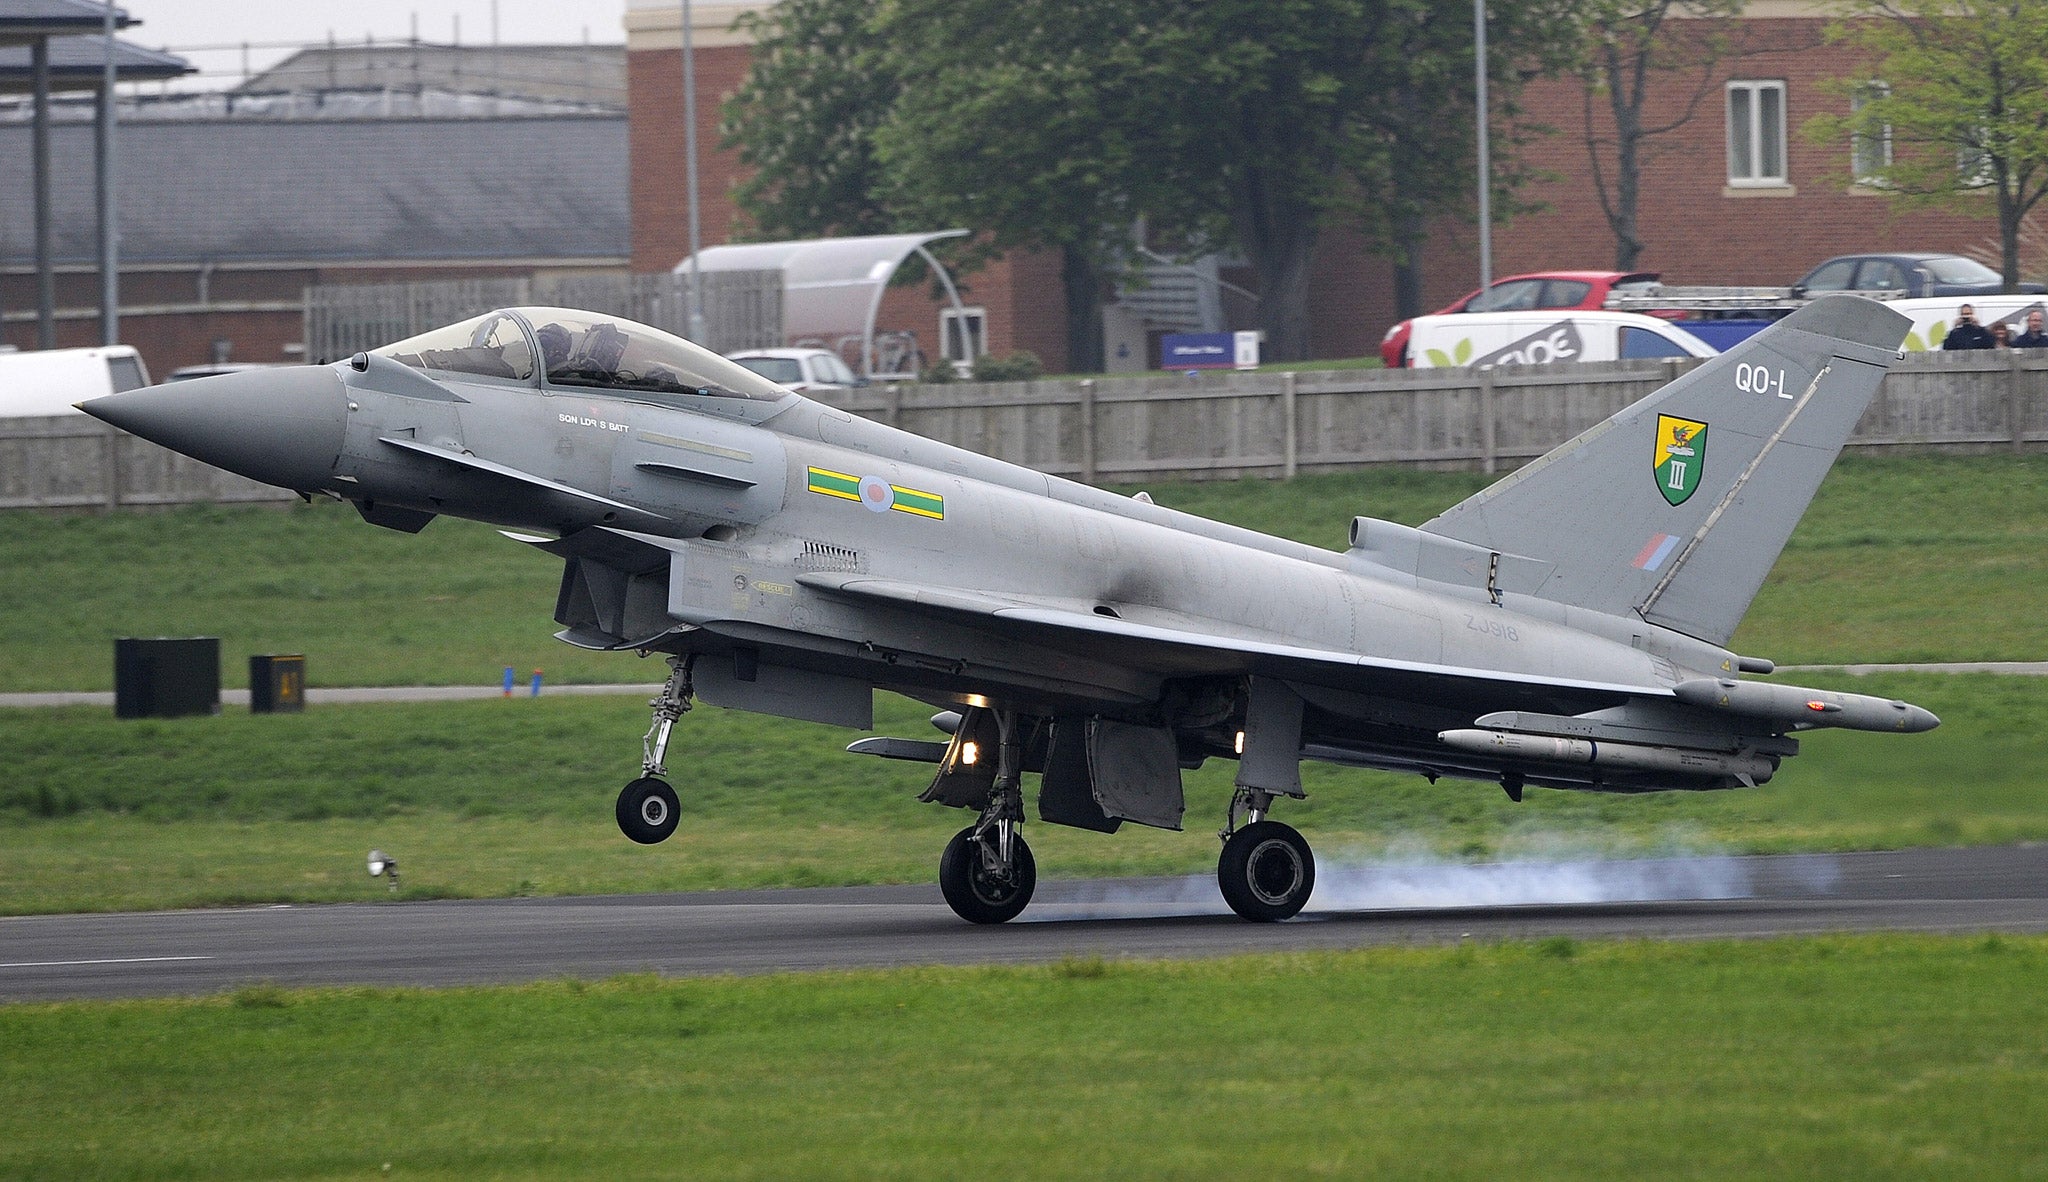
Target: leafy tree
{"points": [[1963, 102], [804, 120]]}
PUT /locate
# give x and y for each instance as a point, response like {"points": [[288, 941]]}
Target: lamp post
{"points": [[690, 177], [1485, 164]]}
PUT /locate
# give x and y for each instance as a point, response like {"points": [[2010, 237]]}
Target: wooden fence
{"points": [[1217, 425]]}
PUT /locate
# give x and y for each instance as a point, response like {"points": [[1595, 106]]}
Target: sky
{"points": [[273, 28]]}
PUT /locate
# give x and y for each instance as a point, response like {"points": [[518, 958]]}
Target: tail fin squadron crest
{"points": [[1686, 539]]}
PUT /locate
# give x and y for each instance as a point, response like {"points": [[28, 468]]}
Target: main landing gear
{"points": [[987, 873], [1266, 871], [648, 810]]}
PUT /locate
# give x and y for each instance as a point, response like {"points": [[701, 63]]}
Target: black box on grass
{"points": [[277, 683], [164, 677]]}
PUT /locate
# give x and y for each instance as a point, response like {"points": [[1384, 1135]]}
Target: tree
{"points": [[1251, 124], [804, 120], [1625, 46], [1011, 122], [1963, 101]]}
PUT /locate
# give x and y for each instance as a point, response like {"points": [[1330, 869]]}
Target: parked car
{"points": [[1519, 293], [1908, 274], [1544, 337], [800, 369]]}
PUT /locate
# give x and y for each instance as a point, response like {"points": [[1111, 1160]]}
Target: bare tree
{"points": [[1631, 48]]}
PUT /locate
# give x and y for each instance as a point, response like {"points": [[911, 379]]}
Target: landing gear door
{"points": [[1135, 771]]}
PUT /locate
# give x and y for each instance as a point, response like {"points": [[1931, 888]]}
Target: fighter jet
{"points": [[1565, 628]]}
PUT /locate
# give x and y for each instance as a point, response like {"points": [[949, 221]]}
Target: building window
{"points": [[1756, 133], [952, 346], [1870, 153]]}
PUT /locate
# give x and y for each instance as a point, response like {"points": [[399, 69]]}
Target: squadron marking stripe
{"points": [[835, 484], [916, 501]]}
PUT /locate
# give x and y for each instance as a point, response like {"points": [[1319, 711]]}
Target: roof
{"points": [[26, 20], [586, 74], [411, 189], [79, 63]]}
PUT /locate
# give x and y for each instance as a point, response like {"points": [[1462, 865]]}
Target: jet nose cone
{"points": [[279, 426]]}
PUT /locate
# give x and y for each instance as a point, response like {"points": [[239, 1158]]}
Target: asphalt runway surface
{"points": [[2001, 889]]}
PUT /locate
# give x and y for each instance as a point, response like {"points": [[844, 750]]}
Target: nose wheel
{"points": [[648, 810], [977, 886], [1266, 871]]}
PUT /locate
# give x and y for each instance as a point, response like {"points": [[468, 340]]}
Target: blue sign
{"points": [[1197, 350]]}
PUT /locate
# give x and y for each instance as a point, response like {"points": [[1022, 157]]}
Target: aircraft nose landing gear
{"points": [[987, 873], [648, 810]]}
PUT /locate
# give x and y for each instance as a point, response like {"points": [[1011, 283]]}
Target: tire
{"points": [[648, 810], [1266, 872], [975, 896]]}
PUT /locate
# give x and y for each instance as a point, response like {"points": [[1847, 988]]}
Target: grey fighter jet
{"points": [[1566, 628]]}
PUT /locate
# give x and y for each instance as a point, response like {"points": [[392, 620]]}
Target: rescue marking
{"points": [[877, 494]]}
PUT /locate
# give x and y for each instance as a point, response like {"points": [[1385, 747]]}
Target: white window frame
{"points": [[1756, 134], [949, 333], [1869, 156]]}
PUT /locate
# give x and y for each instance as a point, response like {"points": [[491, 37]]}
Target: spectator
{"points": [[1967, 334], [2001, 335], [2033, 338]]}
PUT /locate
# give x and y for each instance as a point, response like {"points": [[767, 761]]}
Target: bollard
{"points": [[508, 681], [536, 683]]}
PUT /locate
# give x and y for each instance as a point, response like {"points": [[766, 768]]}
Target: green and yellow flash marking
{"points": [[877, 494]]}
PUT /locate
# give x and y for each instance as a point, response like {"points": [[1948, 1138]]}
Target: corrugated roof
{"points": [[77, 63], [411, 189], [38, 18]]}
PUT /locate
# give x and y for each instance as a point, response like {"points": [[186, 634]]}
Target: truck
{"points": [[48, 382]]}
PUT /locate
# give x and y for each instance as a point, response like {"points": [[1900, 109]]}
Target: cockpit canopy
{"points": [[588, 350]]}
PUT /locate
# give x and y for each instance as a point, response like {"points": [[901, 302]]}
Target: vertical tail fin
{"points": [[1676, 508]]}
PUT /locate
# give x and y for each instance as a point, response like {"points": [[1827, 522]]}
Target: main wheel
{"points": [[978, 896], [1266, 872], [648, 810]]}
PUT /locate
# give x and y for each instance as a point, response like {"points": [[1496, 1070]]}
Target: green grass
{"points": [[1900, 559], [494, 797], [1851, 1057]]}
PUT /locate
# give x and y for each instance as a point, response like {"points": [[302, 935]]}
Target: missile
{"points": [[1796, 706], [1521, 748]]}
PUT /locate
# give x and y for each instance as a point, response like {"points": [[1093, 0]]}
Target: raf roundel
{"points": [[876, 494]]}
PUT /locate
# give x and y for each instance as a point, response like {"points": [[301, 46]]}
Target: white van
{"points": [[1542, 337], [1933, 316], [48, 381]]}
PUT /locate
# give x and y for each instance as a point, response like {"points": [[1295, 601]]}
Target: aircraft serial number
{"points": [[1492, 628], [1760, 379]]}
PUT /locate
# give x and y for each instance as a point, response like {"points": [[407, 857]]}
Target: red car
{"points": [[1516, 293]]}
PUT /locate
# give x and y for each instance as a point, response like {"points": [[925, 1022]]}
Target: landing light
{"points": [[1240, 742], [382, 864], [969, 752]]}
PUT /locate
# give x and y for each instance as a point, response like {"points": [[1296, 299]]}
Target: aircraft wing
{"points": [[1182, 645]]}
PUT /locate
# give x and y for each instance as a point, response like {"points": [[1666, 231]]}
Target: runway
{"points": [[2003, 889]]}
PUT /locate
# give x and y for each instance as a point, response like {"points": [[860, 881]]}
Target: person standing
{"points": [[1967, 334], [2033, 338]]}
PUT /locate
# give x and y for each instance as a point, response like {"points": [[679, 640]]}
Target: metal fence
{"points": [[742, 309], [1212, 426]]}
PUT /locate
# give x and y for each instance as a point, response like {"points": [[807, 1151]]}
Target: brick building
{"points": [[1791, 207]]}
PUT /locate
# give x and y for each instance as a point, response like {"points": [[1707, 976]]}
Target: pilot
{"points": [[2033, 338], [554, 346], [1967, 334]]}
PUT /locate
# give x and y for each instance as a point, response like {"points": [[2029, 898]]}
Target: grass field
{"points": [[495, 797], [1900, 559], [1851, 1057]]}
